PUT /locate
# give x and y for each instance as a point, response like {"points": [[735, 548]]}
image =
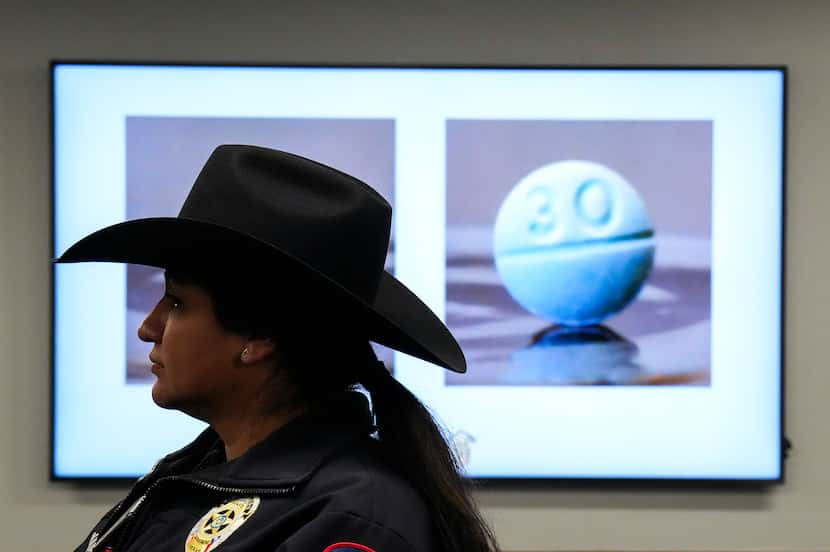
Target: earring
{"points": [[244, 355]]}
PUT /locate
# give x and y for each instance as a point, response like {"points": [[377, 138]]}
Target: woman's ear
{"points": [[256, 350]]}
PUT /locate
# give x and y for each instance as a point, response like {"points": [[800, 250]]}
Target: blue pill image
{"points": [[573, 242]]}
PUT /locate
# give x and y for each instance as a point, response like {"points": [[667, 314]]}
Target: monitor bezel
{"points": [[611, 482]]}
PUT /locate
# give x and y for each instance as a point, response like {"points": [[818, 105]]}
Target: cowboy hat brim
{"points": [[396, 318]]}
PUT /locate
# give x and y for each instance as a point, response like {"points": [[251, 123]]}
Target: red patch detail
{"points": [[348, 547]]}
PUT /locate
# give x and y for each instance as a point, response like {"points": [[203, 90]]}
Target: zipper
{"points": [[123, 522], [96, 535]]}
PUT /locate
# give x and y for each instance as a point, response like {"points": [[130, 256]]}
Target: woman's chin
{"points": [[160, 396]]}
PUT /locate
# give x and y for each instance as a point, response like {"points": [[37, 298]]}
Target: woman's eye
{"points": [[175, 302]]}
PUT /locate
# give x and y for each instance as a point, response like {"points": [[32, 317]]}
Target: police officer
{"points": [[274, 286]]}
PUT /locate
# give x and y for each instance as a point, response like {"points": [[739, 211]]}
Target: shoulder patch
{"points": [[348, 547], [219, 523]]}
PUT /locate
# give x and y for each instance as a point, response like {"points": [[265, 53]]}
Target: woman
{"points": [[274, 288]]}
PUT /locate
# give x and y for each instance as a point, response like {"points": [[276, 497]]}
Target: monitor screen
{"points": [[604, 243]]}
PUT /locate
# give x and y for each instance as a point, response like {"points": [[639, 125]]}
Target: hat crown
{"points": [[329, 220]]}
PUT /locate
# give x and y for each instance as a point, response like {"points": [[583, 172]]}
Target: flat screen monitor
{"points": [[605, 244]]}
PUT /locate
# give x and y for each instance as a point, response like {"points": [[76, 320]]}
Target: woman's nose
{"points": [[152, 328]]}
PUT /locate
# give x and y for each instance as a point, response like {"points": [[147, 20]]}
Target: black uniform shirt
{"points": [[318, 484]]}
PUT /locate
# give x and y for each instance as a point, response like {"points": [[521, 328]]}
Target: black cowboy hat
{"points": [[327, 226]]}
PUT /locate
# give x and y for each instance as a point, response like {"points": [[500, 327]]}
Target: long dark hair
{"points": [[322, 354], [416, 446]]}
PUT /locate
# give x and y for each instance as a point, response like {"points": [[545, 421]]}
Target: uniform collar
{"points": [[287, 457]]}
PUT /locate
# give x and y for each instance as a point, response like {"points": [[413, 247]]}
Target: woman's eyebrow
{"points": [[168, 279]]}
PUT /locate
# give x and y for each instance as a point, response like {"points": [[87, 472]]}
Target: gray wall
{"points": [[37, 515]]}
